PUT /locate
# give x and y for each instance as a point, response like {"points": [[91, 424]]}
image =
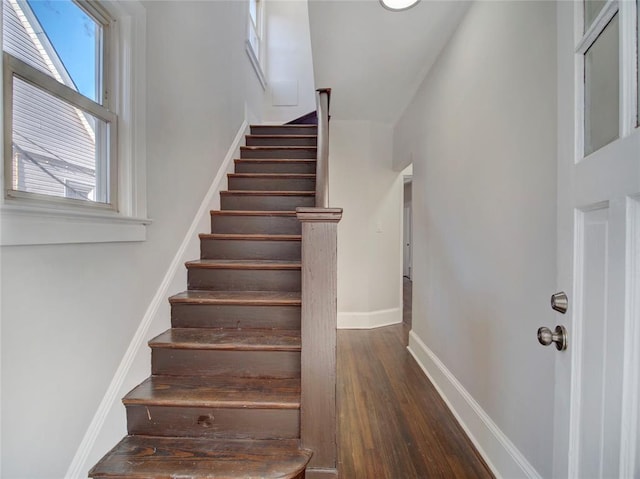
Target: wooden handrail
{"points": [[323, 97]]}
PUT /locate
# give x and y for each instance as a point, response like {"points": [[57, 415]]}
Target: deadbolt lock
{"points": [[560, 302]]}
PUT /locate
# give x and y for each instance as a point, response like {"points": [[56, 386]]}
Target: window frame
{"points": [[584, 38], [257, 57], [28, 221]]}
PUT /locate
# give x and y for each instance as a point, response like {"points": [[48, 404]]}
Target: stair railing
{"points": [[319, 313]]}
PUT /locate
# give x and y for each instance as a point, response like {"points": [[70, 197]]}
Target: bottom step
{"points": [[167, 458]]}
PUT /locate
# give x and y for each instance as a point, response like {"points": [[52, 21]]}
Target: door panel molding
{"points": [[631, 384]]}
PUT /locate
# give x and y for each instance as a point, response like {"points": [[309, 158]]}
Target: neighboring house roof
{"points": [[54, 141]]}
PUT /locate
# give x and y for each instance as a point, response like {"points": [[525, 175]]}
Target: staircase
{"points": [[223, 400]]}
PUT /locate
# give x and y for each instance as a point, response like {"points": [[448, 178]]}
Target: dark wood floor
{"points": [[392, 422]]}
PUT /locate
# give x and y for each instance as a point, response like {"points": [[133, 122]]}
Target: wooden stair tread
{"points": [[228, 339], [285, 147], [252, 237], [145, 457], [263, 264], [272, 175], [252, 213], [286, 125], [216, 392], [267, 193], [250, 298], [284, 137], [275, 160]]}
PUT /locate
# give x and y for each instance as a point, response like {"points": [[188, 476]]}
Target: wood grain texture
{"points": [[233, 423], [278, 165], [216, 392], [289, 129], [145, 457], [392, 422], [255, 298], [242, 363], [221, 339], [319, 313]]}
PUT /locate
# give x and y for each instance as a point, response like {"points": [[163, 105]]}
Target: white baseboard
{"points": [[500, 454], [369, 319], [79, 467]]}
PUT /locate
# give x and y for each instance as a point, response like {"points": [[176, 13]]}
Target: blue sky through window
{"points": [[73, 34]]}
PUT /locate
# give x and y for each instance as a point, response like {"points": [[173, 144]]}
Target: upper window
{"points": [[59, 129], [607, 78], [255, 46]]}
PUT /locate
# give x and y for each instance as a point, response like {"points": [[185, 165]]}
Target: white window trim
{"points": [[583, 40], [26, 222], [256, 57]]}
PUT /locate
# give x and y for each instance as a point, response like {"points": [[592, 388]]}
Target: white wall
{"points": [[289, 66], [482, 134], [370, 232], [70, 311]]}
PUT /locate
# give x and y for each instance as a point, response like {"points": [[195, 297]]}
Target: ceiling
{"points": [[374, 59]]}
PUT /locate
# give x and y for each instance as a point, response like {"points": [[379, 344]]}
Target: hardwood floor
{"points": [[392, 422]]}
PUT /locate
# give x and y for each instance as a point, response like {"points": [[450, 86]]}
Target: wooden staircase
{"points": [[224, 397]]}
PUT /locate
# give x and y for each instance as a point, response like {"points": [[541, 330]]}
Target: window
{"points": [[58, 126], [73, 122], [606, 73], [255, 47], [601, 89]]}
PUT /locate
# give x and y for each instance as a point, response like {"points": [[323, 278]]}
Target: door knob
{"points": [[559, 336]]}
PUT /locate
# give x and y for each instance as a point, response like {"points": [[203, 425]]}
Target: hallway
{"points": [[392, 422]]}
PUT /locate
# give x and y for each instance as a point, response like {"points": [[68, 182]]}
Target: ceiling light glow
{"points": [[397, 5]]}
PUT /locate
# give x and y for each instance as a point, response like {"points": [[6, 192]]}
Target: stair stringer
{"points": [[134, 366]]}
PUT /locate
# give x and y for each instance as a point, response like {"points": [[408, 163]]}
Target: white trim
{"points": [[501, 455], [31, 226], [575, 348], [628, 69], [369, 319], [597, 27], [631, 368], [78, 467], [255, 63]]}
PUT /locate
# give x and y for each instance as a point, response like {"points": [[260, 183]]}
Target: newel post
{"points": [[318, 420]]}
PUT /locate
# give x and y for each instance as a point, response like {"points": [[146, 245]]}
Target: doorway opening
{"points": [[407, 176]]}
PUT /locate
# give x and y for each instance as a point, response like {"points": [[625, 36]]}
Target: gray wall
{"points": [[482, 134]]}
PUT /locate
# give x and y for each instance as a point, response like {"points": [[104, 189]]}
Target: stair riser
{"points": [[244, 280], [275, 167], [235, 316], [249, 249], [306, 153], [265, 203], [284, 130], [287, 225], [280, 141], [213, 422], [273, 184], [247, 364]]}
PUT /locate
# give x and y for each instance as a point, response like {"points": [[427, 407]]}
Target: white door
{"points": [[596, 378]]}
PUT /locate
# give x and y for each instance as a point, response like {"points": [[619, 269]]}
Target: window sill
{"points": [[256, 65], [20, 225]]}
